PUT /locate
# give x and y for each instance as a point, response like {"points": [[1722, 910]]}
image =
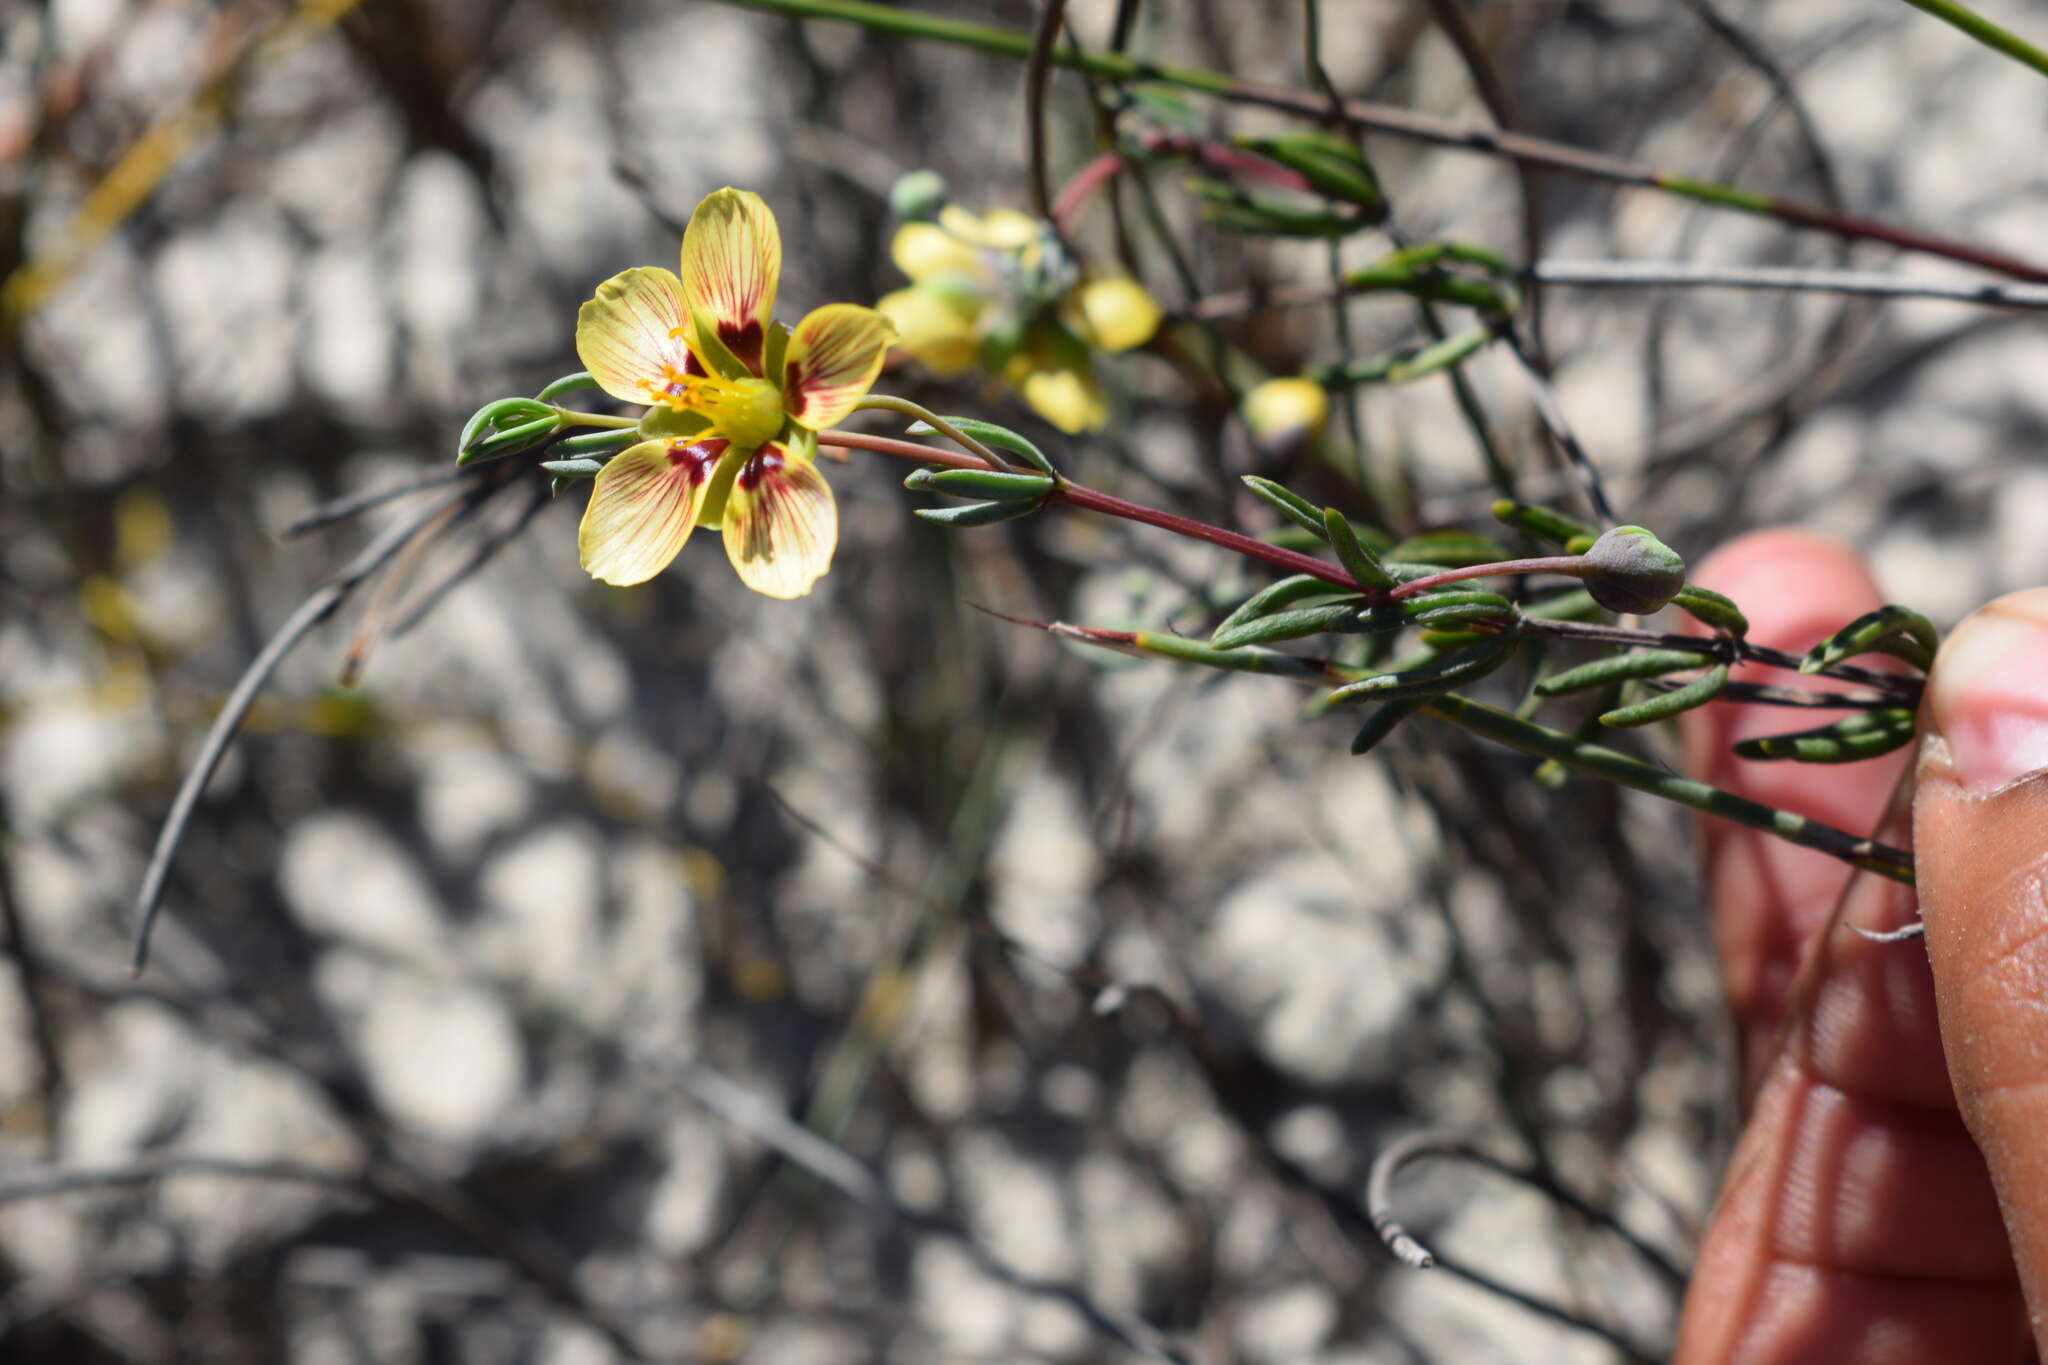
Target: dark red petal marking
{"points": [[744, 340], [698, 458], [761, 466]]}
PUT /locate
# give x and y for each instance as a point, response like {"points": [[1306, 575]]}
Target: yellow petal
{"points": [[630, 335], [1282, 414], [925, 251], [732, 258], [834, 354], [998, 229], [643, 506], [930, 329], [781, 524], [1069, 399], [1115, 314]]}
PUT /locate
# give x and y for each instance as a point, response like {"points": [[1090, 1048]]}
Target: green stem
{"points": [[567, 418], [1984, 31], [890, 403], [1400, 122], [1543, 742]]}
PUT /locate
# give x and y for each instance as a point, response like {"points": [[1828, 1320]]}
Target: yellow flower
{"points": [[979, 294], [735, 400], [1283, 415]]}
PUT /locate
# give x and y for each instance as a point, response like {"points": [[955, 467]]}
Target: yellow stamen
{"points": [[746, 411]]}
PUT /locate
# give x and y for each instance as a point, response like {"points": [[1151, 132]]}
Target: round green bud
{"points": [[1631, 571], [917, 196]]}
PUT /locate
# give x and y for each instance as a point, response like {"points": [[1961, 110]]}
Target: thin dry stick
{"points": [[323, 602], [1407, 123], [1560, 429], [846, 1173], [1875, 284], [45, 1184]]}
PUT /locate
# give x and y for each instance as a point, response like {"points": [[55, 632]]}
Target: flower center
{"points": [[744, 411]]}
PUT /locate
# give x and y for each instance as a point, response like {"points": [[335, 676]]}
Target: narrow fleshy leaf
{"points": [[1846, 741], [781, 524], [1643, 663], [834, 355], [1436, 608], [631, 335], [1711, 608], [1430, 676], [1291, 505], [1898, 631], [1547, 522], [981, 483], [1286, 625], [601, 445], [1665, 705], [508, 442], [1362, 564], [732, 260], [568, 383], [1273, 597], [643, 506], [974, 514], [1382, 721], [989, 433]]}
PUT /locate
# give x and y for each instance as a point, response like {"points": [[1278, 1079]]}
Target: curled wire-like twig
{"points": [[1379, 1198], [1410, 1251], [1036, 74]]}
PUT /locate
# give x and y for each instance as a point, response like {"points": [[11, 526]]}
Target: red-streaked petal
{"points": [[834, 355], [630, 336], [643, 506], [781, 525], [732, 258]]}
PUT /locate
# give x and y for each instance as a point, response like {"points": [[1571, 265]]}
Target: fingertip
{"points": [[1981, 847], [1793, 585]]}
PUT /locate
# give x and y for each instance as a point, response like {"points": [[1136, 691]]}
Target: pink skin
{"points": [[1858, 1221]]}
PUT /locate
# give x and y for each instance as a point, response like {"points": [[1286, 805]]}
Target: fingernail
{"points": [[1988, 696]]}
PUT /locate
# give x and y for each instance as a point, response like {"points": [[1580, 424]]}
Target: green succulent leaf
{"points": [[989, 433], [1711, 608], [1664, 705], [1546, 523], [1286, 625], [1287, 592], [1382, 721], [1644, 663], [1294, 507], [1898, 631], [1431, 676], [1851, 740], [975, 513]]}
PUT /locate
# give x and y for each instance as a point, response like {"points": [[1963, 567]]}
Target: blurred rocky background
{"points": [[674, 975]]}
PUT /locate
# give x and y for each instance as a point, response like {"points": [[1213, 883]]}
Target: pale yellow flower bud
{"points": [[1284, 414]]}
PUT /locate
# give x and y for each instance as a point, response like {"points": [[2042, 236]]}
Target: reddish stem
{"points": [[1573, 566], [1076, 495], [1074, 195], [1221, 156]]}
